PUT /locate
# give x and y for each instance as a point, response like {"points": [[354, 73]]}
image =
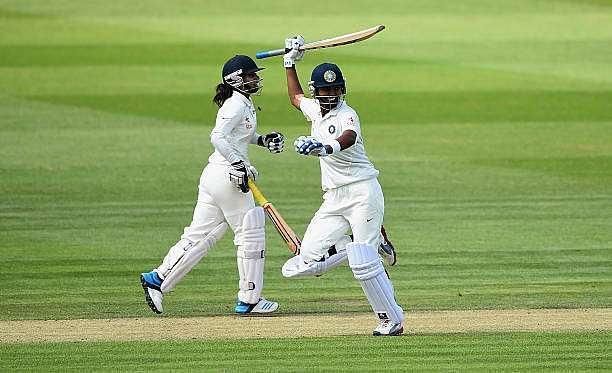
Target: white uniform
{"points": [[353, 198], [219, 201]]}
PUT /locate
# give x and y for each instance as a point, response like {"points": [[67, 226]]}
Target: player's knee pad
{"points": [[368, 269], [192, 253], [251, 255]]}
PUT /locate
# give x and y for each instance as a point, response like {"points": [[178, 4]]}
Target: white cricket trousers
{"points": [[218, 200], [359, 206]]}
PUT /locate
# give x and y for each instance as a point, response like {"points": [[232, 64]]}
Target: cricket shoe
{"points": [[386, 249], [388, 327], [151, 284], [264, 306]]}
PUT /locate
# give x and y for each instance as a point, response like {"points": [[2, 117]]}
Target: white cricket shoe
{"points": [[388, 327], [262, 307], [154, 299], [151, 283]]}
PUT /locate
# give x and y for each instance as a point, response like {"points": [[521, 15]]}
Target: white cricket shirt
{"points": [[346, 166], [236, 123]]}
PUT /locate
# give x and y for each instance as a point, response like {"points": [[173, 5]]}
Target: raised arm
{"points": [[294, 89]]}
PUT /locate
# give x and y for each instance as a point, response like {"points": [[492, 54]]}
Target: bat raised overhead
{"points": [[328, 43]]}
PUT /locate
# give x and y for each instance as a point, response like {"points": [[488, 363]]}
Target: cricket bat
{"points": [[287, 234], [328, 43]]}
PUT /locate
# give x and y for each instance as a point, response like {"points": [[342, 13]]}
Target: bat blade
{"points": [[287, 234], [292, 240], [328, 43], [344, 39]]}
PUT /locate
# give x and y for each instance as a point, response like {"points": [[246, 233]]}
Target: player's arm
{"points": [[294, 89], [346, 140], [221, 138]]}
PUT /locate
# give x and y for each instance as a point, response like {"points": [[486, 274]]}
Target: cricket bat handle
{"points": [[257, 194], [272, 53], [275, 52]]}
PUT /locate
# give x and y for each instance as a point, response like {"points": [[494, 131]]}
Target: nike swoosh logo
{"points": [[370, 219]]}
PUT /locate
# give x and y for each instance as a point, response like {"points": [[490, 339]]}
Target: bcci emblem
{"points": [[329, 76]]}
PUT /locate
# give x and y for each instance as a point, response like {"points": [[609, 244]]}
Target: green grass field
{"points": [[491, 123]]}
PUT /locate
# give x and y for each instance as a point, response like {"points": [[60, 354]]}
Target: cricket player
{"points": [[224, 198], [352, 199]]}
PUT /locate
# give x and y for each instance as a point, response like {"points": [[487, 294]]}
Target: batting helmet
{"points": [[234, 71], [327, 75]]}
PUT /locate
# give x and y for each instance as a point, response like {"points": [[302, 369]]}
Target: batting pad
{"points": [[298, 267], [251, 255], [187, 254], [368, 269]]}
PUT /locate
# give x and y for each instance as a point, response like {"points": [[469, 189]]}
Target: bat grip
{"points": [[257, 194], [272, 53]]}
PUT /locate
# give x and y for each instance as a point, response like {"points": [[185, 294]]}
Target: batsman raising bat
{"points": [[224, 198], [353, 198]]}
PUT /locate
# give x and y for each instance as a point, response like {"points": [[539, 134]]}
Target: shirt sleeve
{"points": [[350, 121], [310, 108], [220, 137]]}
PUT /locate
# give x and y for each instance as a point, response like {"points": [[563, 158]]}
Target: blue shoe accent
{"points": [[151, 279], [243, 308]]}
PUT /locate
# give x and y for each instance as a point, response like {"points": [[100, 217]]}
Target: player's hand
{"points": [[292, 50], [238, 176], [274, 141], [308, 145]]}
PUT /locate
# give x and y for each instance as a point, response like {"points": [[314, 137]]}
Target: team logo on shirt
{"points": [[329, 76], [332, 129], [248, 124]]}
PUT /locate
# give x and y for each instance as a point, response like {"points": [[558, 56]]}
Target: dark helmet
{"points": [[327, 75], [234, 71]]}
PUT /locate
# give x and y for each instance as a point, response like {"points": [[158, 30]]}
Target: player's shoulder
{"points": [[308, 103], [233, 104], [347, 113], [346, 109]]}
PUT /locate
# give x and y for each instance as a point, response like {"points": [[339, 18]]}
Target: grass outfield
{"points": [[488, 352], [491, 124]]}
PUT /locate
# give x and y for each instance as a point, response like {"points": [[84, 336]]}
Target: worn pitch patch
{"points": [[295, 326]]}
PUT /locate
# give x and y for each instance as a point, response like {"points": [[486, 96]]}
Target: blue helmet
{"points": [[323, 76], [327, 75]]}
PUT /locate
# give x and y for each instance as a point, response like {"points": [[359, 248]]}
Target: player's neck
{"points": [[245, 94]]}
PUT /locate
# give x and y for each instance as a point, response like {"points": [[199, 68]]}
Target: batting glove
{"points": [[274, 141], [238, 176], [293, 52], [308, 145]]}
